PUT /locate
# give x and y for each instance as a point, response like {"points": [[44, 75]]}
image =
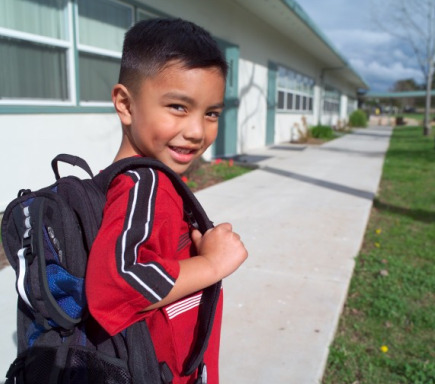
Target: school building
{"points": [[59, 60]]}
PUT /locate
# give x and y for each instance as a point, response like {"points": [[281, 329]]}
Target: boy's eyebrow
{"points": [[217, 106], [189, 100]]}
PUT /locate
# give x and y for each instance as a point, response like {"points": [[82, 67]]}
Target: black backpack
{"points": [[47, 236]]}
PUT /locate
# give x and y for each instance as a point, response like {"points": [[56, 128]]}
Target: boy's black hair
{"points": [[151, 44]]}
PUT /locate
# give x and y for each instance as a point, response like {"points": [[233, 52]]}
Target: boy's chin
{"points": [[179, 168]]}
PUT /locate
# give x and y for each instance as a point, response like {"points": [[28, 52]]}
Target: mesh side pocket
{"points": [[91, 367], [38, 365]]}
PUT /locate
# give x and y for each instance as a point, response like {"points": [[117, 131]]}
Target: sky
{"points": [[374, 53]]}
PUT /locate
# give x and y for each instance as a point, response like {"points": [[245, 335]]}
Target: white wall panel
{"points": [[29, 143], [253, 105]]}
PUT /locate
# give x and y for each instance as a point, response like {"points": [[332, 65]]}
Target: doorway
{"points": [[226, 141]]}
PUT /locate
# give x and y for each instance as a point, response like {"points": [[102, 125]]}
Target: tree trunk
{"points": [[426, 122]]}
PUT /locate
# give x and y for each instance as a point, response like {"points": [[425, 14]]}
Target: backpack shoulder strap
{"points": [[210, 295], [194, 208]]}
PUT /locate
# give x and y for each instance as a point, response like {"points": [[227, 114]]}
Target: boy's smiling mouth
{"points": [[183, 154], [183, 151]]}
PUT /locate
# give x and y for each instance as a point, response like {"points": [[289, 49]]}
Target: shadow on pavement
{"points": [[321, 183]]}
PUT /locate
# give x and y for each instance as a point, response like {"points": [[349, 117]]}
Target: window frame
{"points": [[300, 95], [67, 45], [72, 48], [97, 51], [331, 104]]}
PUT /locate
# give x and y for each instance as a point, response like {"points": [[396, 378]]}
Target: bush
{"points": [[358, 118], [322, 132]]}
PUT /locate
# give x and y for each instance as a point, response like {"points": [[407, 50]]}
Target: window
{"points": [[331, 100], [295, 91], [36, 17], [281, 98], [35, 51], [43, 63], [101, 28], [289, 101], [98, 74]]}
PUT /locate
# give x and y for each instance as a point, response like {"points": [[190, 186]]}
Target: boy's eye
{"points": [[214, 114], [177, 107]]}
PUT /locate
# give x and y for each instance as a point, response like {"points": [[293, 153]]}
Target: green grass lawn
{"points": [[417, 116], [386, 333]]}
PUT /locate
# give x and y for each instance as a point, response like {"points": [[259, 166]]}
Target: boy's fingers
{"points": [[196, 234], [196, 237], [226, 226]]}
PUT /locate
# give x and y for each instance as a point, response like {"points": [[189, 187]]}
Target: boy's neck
{"points": [[126, 149]]}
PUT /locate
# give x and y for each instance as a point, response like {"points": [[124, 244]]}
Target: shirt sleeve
{"points": [[133, 261]]}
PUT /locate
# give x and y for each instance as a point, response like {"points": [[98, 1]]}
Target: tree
{"points": [[413, 21], [403, 86]]}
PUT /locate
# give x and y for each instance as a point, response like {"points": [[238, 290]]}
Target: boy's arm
{"points": [[220, 253]]}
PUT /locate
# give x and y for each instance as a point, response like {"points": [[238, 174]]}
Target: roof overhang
{"points": [[288, 17], [395, 95]]}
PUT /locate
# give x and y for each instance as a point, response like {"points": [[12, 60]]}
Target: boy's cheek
{"points": [[211, 137], [204, 148]]}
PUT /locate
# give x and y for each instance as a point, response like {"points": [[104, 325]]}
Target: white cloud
{"points": [[377, 73], [378, 56], [359, 37], [395, 71]]}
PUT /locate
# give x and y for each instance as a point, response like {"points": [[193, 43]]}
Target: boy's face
{"points": [[174, 115]]}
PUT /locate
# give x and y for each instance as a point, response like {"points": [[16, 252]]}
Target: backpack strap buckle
{"points": [[15, 369]]}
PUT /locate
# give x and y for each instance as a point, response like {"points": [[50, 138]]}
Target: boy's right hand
{"points": [[220, 253], [222, 248]]}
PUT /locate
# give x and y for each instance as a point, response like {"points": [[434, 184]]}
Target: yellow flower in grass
{"points": [[384, 349], [378, 231], [377, 245]]}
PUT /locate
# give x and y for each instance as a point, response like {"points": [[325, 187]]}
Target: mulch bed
{"points": [[203, 179]]}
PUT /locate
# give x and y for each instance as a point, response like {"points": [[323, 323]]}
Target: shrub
{"points": [[322, 132], [358, 118]]}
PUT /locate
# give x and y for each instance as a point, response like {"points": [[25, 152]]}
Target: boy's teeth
{"points": [[181, 150]]}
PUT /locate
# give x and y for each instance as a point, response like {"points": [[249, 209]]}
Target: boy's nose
{"points": [[194, 129]]}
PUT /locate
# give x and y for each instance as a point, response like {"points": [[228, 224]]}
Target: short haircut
{"points": [[151, 44]]}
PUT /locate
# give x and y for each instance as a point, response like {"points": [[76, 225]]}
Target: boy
{"points": [[146, 262]]}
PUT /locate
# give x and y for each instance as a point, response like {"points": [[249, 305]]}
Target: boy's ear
{"points": [[121, 99]]}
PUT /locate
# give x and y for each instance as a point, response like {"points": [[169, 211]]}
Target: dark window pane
{"points": [[32, 71], [298, 102], [97, 77], [289, 101], [280, 100]]}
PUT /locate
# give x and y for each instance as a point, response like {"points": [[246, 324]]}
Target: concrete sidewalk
{"points": [[302, 217]]}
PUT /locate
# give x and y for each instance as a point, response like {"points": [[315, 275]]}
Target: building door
{"points": [[226, 141], [271, 103]]}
